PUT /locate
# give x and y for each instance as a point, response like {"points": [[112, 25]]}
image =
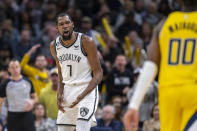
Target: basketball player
{"points": [[79, 73], [173, 49]]}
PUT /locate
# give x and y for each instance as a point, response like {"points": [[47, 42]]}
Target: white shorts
{"points": [[84, 110]]}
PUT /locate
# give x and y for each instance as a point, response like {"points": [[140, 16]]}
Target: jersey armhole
{"points": [[81, 43], [54, 44]]}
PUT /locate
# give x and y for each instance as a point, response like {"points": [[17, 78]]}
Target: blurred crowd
{"points": [[28, 26]]}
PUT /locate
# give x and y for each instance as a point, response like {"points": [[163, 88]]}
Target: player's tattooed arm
{"points": [[61, 85], [153, 48], [91, 51]]}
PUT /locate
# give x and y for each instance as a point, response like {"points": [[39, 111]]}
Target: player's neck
{"points": [[68, 42], [16, 77]]}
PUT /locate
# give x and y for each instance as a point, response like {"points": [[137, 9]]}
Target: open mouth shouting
{"points": [[66, 33]]}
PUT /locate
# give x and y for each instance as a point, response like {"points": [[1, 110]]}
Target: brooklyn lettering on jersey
{"points": [[66, 57]]}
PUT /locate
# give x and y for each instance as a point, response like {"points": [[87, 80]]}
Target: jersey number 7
{"points": [[70, 67]]}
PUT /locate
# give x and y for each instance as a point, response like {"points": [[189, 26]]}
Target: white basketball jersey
{"points": [[73, 61]]}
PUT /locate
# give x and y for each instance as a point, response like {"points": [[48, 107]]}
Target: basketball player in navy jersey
{"points": [[79, 73]]}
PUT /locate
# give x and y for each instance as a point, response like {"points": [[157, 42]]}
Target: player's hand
{"points": [[29, 105], [79, 98], [59, 103], [131, 120]]}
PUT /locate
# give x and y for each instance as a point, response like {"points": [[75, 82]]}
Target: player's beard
{"points": [[68, 37]]}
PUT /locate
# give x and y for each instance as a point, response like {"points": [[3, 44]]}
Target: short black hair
{"points": [[61, 15], [40, 54], [190, 3], [13, 60]]}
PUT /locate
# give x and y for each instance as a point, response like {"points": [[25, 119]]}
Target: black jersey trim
{"points": [[94, 104], [82, 119], [81, 43], [69, 44], [54, 44], [65, 125]]}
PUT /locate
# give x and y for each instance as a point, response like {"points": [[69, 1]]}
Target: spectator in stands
{"points": [[11, 10], [20, 98], [103, 12], [146, 34], [164, 7], [128, 6], [107, 122], [50, 12], [48, 95], [152, 16], [49, 33], [113, 49], [24, 21], [128, 25], [2, 12], [5, 56], [120, 80], [25, 43], [86, 28], [42, 122], [136, 47], [117, 103], [97, 4], [33, 16], [153, 124], [62, 5], [38, 74], [10, 35], [4, 75], [102, 85], [85, 6], [135, 41], [76, 16]]}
